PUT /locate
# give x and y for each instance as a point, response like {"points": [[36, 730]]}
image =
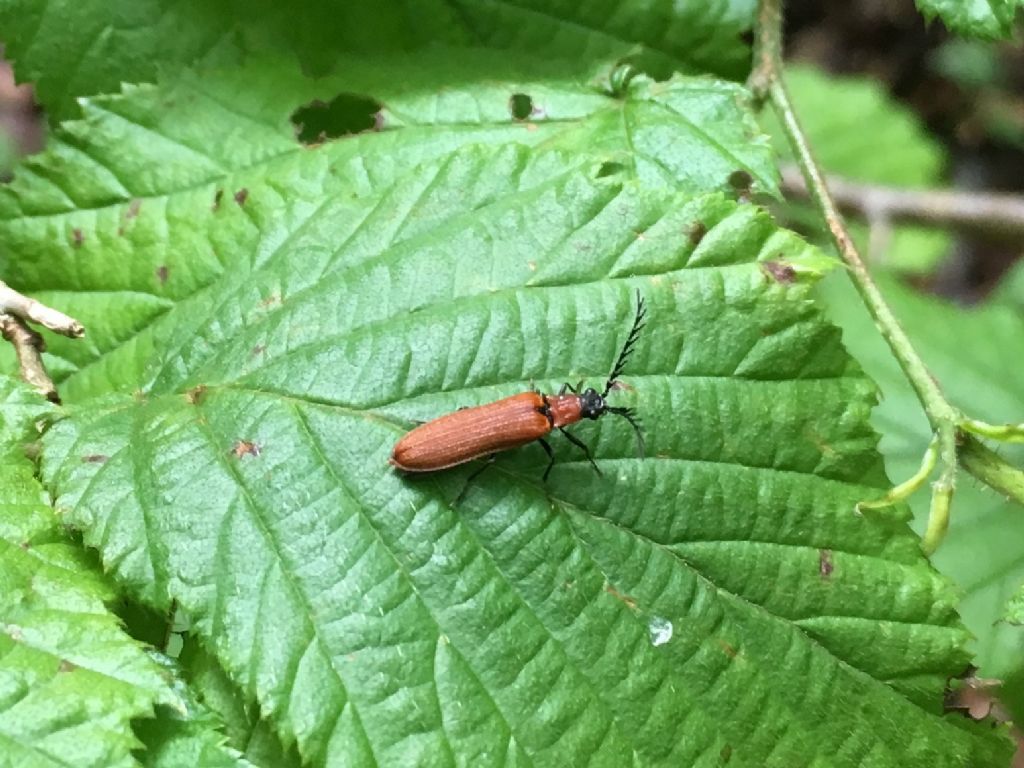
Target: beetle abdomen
{"points": [[471, 433]]}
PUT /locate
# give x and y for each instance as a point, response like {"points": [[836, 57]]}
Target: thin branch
{"points": [[949, 426], [928, 392], [28, 346], [14, 303], [16, 310], [992, 214]]}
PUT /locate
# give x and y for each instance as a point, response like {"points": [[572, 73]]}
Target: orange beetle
{"points": [[472, 433]]}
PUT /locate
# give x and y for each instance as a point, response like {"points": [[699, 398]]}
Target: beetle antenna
{"points": [[634, 421], [627, 348]]}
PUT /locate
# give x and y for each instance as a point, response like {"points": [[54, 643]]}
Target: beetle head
{"points": [[591, 404]]}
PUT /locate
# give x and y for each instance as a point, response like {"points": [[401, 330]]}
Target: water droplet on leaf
{"points": [[661, 630]]}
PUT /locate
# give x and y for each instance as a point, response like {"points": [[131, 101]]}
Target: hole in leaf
{"points": [[521, 106], [344, 115], [741, 182], [609, 169]]}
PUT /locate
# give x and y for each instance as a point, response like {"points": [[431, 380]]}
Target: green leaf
{"points": [[76, 48], [8, 153], [245, 727], [71, 49], [1015, 607], [185, 205], [70, 679], [717, 601], [1010, 290], [987, 19], [179, 743], [192, 737], [897, 151], [834, 110], [975, 354]]}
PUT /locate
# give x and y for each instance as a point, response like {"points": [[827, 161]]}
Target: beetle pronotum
{"points": [[472, 433]]}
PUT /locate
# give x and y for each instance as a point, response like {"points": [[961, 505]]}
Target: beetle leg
{"points": [[551, 456], [583, 447], [476, 473]]}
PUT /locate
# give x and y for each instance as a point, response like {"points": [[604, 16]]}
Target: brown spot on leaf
{"points": [[246, 448], [779, 271], [67, 666], [820, 443], [728, 648], [133, 208], [259, 349], [26, 545], [241, 196], [77, 237], [196, 394], [696, 232], [271, 300], [626, 599], [825, 566], [726, 754], [95, 458], [161, 273], [217, 198]]}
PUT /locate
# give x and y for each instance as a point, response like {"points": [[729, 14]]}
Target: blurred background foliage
{"points": [[891, 100]]}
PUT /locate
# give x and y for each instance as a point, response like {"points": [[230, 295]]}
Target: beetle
{"points": [[485, 430]]}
